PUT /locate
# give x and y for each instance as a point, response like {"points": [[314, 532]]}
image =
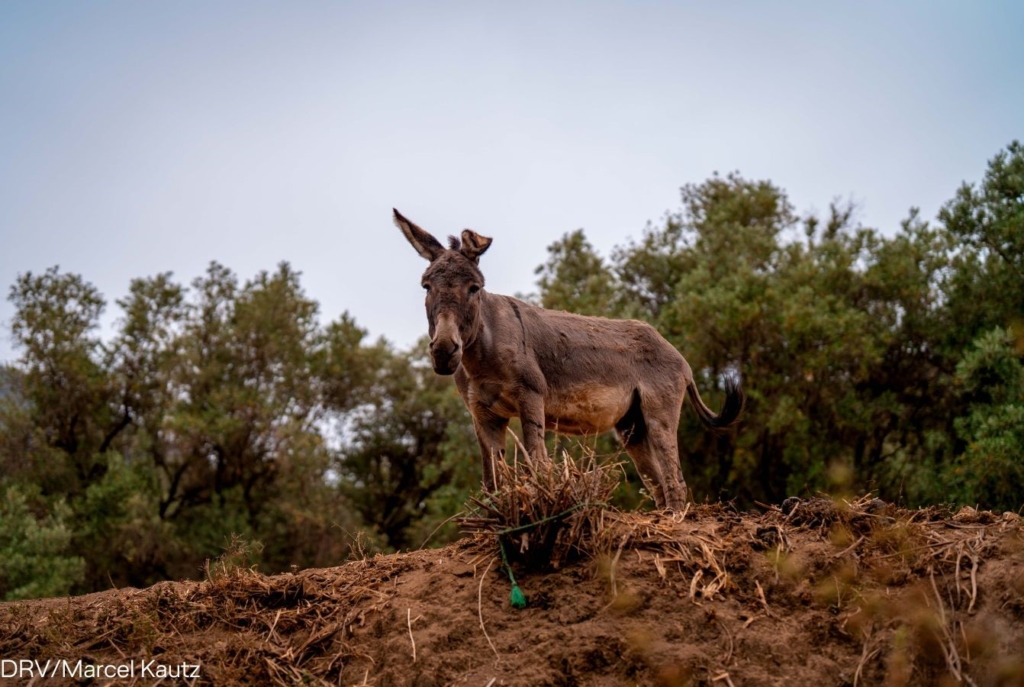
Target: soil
{"points": [[811, 593]]}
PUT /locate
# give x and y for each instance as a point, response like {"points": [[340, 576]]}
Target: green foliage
{"points": [[991, 468], [63, 380], [411, 458], [736, 299], [575, 278], [846, 338], [243, 393], [986, 229], [202, 418], [36, 558], [117, 521], [226, 411]]}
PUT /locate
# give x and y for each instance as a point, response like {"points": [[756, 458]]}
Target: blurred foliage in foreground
{"points": [[884, 360]]}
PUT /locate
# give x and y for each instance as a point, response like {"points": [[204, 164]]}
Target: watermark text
{"points": [[27, 669]]}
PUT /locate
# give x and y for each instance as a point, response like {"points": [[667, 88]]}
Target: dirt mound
{"points": [[815, 592]]}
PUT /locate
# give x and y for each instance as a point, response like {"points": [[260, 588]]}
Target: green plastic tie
{"points": [[516, 597]]}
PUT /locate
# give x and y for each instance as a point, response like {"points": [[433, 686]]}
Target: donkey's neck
{"points": [[478, 353]]}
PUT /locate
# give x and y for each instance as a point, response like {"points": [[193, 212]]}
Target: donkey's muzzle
{"points": [[445, 356]]}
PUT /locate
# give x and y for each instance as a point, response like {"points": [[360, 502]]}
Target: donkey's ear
{"points": [[474, 245], [425, 244]]}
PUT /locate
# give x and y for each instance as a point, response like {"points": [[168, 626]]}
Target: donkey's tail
{"points": [[731, 411]]}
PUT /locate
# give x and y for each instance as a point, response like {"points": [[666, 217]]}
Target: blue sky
{"points": [[142, 137]]}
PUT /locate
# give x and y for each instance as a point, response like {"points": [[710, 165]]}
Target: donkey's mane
{"points": [[454, 243]]}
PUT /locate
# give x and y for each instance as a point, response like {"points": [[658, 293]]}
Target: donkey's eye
{"points": [[473, 289], [426, 287]]}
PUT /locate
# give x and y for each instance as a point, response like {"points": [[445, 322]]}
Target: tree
{"points": [[410, 458], [846, 340], [985, 225], [65, 388], [576, 278], [201, 419]]}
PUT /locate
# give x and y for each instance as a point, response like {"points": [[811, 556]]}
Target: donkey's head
{"points": [[453, 282]]}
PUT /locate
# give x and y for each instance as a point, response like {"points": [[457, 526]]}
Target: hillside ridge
{"points": [[812, 592]]}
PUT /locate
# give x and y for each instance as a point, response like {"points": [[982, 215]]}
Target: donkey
{"points": [[557, 370]]}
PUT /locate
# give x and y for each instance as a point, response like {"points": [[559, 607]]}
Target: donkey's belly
{"points": [[586, 410]]}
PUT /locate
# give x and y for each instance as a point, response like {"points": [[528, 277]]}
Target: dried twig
{"points": [[974, 583], [408, 620], [764, 601], [693, 586], [480, 606], [728, 654], [864, 658], [436, 529], [948, 647], [614, 565], [848, 549]]}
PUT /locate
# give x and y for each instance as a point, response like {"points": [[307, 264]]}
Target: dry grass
{"points": [[545, 511], [934, 552], [898, 597], [270, 630]]}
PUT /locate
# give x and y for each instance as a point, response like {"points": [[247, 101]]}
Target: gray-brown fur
{"points": [[556, 370]]}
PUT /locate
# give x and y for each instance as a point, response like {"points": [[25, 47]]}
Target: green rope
{"points": [[517, 598], [527, 526]]}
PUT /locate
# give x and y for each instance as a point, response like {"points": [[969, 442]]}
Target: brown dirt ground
{"points": [[814, 593]]}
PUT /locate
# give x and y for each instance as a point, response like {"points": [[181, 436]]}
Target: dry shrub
{"points": [[692, 542], [241, 553], [545, 509]]}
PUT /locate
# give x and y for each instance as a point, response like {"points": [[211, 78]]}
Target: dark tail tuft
{"points": [[731, 411]]}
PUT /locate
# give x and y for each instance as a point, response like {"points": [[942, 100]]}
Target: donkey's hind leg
{"points": [[650, 472], [633, 431], [661, 416], [665, 449]]}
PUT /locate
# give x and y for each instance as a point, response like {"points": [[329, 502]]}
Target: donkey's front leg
{"points": [[531, 415], [490, 432]]}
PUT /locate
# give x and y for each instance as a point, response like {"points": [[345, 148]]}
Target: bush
{"points": [[991, 469], [34, 551]]}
